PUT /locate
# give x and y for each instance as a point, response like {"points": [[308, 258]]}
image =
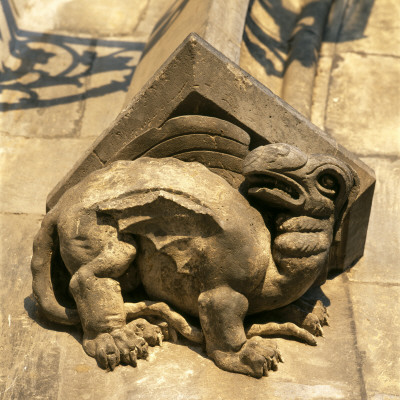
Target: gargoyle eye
{"points": [[328, 181], [328, 184]]}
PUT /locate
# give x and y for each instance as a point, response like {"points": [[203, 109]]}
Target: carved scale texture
{"points": [[299, 238]]}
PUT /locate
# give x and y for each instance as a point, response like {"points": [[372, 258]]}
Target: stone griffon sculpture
{"points": [[197, 243]]}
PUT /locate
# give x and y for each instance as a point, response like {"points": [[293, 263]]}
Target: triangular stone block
{"points": [[198, 80]]}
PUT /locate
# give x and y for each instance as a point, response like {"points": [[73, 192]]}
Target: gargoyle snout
{"points": [[267, 173], [277, 157]]}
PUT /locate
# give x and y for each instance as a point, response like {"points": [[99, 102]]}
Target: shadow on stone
{"points": [[33, 52], [354, 24], [34, 313], [270, 49], [164, 23]]}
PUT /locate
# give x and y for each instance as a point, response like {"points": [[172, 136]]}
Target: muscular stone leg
{"points": [[221, 312], [107, 337]]}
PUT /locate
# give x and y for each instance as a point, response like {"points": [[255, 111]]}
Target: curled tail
{"points": [[43, 249]]}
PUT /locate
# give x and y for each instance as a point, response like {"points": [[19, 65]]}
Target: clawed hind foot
{"points": [[123, 345], [313, 324], [306, 315], [315, 316], [301, 319]]}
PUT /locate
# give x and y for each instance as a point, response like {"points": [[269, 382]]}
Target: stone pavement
{"points": [[66, 80]]}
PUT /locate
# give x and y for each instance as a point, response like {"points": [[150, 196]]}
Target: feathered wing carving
{"points": [[218, 144]]}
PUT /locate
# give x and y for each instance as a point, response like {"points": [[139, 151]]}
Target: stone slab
{"points": [[380, 263], [96, 19], [16, 232], [42, 122], [377, 323], [53, 75], [34, 15], [30, 357], [5, 37], [46, 361], [368, 109], [43, 85], [371, 27], [100, 18], [212, 20], [111, 73], [317, 370], [30, 167]]}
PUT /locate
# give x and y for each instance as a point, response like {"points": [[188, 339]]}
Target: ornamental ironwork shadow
{"points": [[271, 50], [32, 51]]}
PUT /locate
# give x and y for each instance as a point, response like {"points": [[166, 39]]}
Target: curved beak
{"points": [[275, 189]]}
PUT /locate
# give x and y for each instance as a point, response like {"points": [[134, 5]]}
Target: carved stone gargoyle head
{"points": [[283, 176]]}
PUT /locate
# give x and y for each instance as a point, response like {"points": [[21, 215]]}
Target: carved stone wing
{"points": [[162, 216], [218, 144]]}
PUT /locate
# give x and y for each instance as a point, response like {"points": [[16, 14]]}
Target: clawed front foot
{"points": [[256, 357], [123, 345]]}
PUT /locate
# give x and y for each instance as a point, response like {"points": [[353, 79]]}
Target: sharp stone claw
{"points": [[160, 339], [320, 330], [112, 362], [145, 354], [133, 357], [102, 359]]}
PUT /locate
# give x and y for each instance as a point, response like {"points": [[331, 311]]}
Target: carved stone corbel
{"points": [[217, 197]]}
